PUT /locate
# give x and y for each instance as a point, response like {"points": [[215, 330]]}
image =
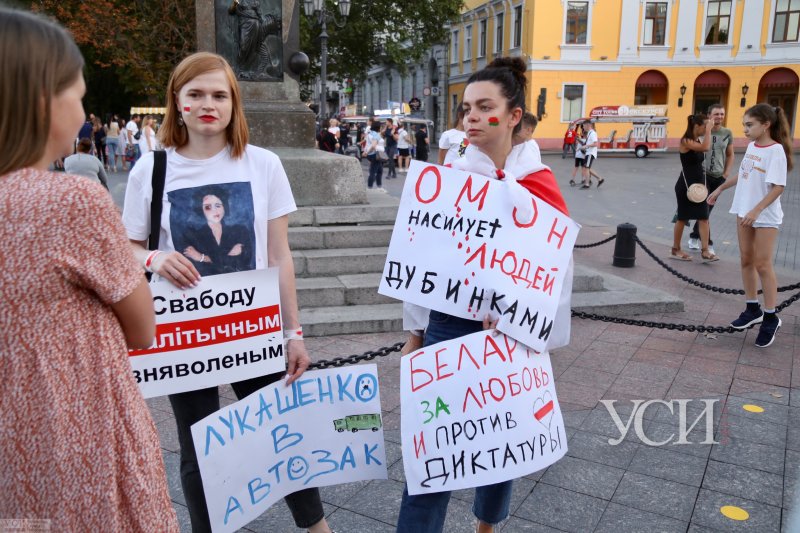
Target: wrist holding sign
{"points": [[148, 262], [295, 334]]}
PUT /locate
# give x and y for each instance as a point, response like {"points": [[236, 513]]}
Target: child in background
{"points": [[757, 206]]}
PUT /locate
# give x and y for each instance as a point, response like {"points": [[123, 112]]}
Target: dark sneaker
{"points": [[748, 319], [767, 331]]}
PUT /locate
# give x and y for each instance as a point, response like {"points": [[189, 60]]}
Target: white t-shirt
{"points": [[143, 148], [591, 138], [253, 190], [380, 145], [335, 130], [450, 141], [761, 168], [402, 139], [134, 129]]}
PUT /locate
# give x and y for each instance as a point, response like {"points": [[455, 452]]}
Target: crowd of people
{"points": [[94, 462]]}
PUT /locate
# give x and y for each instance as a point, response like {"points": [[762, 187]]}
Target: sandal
{"points": [[600, 182], [707, 256], [679, 255], [572, 183], [584, 186]]}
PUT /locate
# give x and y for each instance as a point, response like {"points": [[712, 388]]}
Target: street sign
{"points": [[426, 91]]}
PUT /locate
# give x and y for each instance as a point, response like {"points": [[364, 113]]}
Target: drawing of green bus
{"points": [[355, 423]]}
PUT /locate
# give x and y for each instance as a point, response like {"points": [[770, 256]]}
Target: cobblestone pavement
{"points": [[633, 486]]}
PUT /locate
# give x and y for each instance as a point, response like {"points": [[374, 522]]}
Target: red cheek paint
{"points": [[494, 121], [187, 109]]}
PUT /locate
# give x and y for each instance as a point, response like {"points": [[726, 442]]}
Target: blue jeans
{"points": [[375, 170], [425, 513]]}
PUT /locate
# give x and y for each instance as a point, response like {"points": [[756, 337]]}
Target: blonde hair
{"points": [[39, 60], [172, 134]]}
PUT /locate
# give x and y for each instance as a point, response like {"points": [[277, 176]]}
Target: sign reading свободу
{"points": [[477, 410], [225, 330], [459, 246], [323, 429]]}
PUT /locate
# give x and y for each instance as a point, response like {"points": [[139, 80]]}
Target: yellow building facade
{"points": [[680, 55]]}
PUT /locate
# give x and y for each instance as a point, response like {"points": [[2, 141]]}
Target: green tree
{"points": [[130, 46], [386, 32]]}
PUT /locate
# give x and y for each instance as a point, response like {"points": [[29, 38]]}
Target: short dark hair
{"points": [[85, 145], [712, 107], [530, 120]]}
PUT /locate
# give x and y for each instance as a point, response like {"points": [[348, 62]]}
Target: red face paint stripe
{"points": [[494, 121], [187, 108], [543, 412]]}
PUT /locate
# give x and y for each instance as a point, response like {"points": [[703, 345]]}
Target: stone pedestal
{"points": [[280, 122]]}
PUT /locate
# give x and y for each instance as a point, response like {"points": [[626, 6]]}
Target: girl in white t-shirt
{"points": [[226, 206], [757, 206], [450, 142]]}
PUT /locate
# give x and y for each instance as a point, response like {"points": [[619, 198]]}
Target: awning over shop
{"points": [[780, 78], [148, 110], [712, 79], [651, 79]]}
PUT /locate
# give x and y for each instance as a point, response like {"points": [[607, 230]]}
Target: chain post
{"points": [[625, 247]]}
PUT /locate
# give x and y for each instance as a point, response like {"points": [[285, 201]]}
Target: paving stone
{"points": [[657, 357], [279, 518], [338, 495], [777, 414], [754, 390], [587, 376], [669, 434], [396, 472], [518, 525], [770, 376], [791, 479], [749, 454], [384, 498], [168, 435], [670, 465], [562, 509], [520, 490], [574, 419], [583, 476], [595, 448], [655, 495], [744, 482], [172, 467], [753, 430], [351, 522], [184, 521], [621, 519], [763, 518], [649, 372], [601, 421], [583, 395]]}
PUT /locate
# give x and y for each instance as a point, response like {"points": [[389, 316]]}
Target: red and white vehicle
{"points": [[646, 127]]}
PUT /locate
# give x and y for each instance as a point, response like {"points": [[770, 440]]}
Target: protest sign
{"points": [[323, 429], [225, 330], [477, 410], [460, 246]]}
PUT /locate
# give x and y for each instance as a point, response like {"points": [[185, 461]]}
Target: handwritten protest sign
{"points": [[477, 410], [323, 429], [459, 246], [225, 330]]}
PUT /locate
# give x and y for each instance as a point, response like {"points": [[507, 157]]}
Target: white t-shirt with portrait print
{"points": [[761, 168], [255, 188]]}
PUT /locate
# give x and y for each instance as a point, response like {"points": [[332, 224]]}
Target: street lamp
{"points": [[317, 12]]}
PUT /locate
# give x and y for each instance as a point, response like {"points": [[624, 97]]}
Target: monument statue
{"points": [[259, 41]]}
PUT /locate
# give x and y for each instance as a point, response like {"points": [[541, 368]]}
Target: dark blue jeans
{"points": [[425, 513], [375, 171], [193, 406]]}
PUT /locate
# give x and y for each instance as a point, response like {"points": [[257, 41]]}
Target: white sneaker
{"points": [[693, 244], [711, 250], [380, 189]]}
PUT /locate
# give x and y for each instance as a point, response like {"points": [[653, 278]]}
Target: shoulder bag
{"points": [[156, 202], [696, 192]]}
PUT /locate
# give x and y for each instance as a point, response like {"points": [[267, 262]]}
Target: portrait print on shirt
{"points": [[213, 227]]}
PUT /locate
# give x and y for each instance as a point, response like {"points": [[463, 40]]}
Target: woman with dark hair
{"points": [[494, 102], [80, 451], [99, 137], [85, 164], [218, 248], [692, 152]]}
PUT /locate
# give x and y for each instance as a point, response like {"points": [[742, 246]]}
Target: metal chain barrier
{"points": [[337, 362], [700, 284], [596, 243]]}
